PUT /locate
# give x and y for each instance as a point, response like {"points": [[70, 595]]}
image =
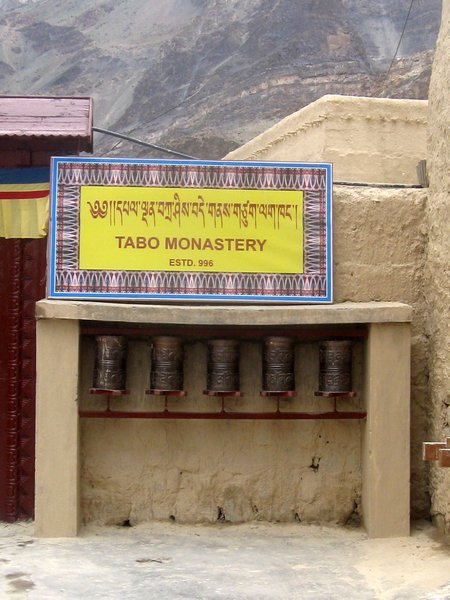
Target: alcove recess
{"points": [[381, 378], [247, 396]]}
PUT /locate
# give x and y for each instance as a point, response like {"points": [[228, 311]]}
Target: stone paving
{"points": [[233, 562]]}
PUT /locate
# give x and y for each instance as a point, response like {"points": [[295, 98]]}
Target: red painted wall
{"points": [[55, 127], [22, 283]]}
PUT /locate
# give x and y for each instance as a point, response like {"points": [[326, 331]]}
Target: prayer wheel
{"points": [[278, 364], [223, 366], [110, 363], [335, 366], [167, 363]]}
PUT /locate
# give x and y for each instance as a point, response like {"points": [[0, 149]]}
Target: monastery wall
{"points": [[437, 267], [380, 233], [390, 244], [197, 471]]}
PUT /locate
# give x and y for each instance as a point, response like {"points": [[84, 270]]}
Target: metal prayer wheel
{"points": [[110, 362], [278, 364], [167, 363], [223, 366], [335, 366]]}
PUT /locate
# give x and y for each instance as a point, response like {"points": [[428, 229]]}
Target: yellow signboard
{"points": [[191, 229]]}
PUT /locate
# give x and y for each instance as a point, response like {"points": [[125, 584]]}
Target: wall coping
{"points": [[344, 313], [332, 107]]}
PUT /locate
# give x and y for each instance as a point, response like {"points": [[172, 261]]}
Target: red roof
{"points": [[47, 117]]}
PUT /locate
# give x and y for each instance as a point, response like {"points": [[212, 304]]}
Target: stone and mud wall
{"points": [[379, 254], [197, 471], [390, 244], [437, 267], [206, 471]]}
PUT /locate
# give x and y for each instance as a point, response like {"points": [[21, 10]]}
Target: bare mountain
{"points": [[204, 76]]}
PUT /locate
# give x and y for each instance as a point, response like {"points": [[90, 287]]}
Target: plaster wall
{"points": [[205, 470], [437, 271], [380, 235], [196, 471], [379, 254], [372, 140]]}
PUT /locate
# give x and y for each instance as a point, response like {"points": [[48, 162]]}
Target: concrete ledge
{"points": [[348, 312]]}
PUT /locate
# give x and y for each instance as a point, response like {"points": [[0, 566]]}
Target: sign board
{"points": [[130, 229]]}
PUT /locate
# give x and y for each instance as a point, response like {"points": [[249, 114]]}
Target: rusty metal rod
{"points": [[166, 414]]}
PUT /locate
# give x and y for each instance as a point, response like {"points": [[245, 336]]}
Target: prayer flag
{"points": [[24, 202]]}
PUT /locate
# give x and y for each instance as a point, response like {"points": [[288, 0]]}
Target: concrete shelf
{"points": [[220, 315]]}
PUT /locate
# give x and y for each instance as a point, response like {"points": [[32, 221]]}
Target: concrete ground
{"points": [[252, 561]]}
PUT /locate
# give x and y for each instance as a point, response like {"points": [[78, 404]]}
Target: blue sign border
{"points": [[54, 293]]}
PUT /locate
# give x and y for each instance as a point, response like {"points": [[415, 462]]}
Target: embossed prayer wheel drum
{"points": [[110, 363], [223, 366], [167, 363], [335, 366], [278, 364]]}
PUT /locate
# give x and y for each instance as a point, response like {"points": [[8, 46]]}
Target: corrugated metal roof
{"points": [[49, 117]]}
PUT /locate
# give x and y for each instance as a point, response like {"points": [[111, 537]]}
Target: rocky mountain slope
{"points": [[204, 76]]}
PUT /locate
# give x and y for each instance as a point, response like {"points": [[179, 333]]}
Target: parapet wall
{"points": [[372, 140]]}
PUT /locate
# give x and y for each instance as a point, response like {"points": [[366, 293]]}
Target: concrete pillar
{"points": [[57, 444], [385, 444]]}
